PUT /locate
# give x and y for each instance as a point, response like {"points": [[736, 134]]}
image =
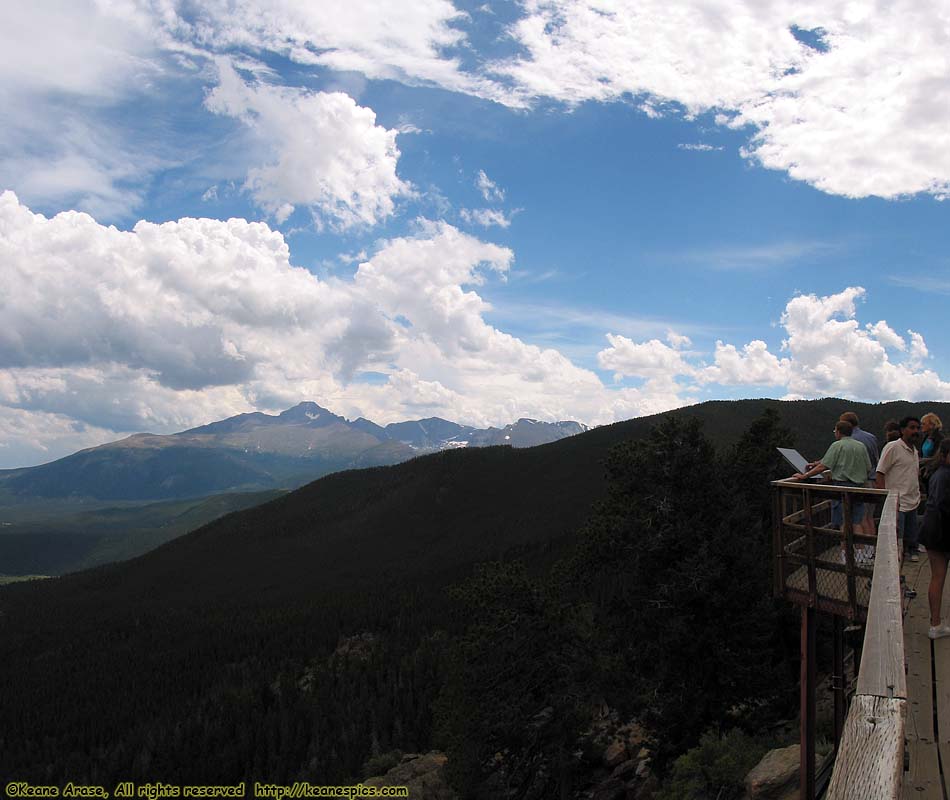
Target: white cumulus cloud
{"points": [[171, 325], [865, 113], [650, 359], [825, 352], [325, 151], [831, 354], [753, 365], [166, 326]]}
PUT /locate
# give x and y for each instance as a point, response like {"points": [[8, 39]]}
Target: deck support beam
{"points": [[838, 681], [806, 770]]}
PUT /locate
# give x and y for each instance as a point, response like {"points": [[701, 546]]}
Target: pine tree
{"points": [[515, 690], [675, 564]]}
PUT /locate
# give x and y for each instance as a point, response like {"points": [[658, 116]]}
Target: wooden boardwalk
{"points": [[928, 692]]}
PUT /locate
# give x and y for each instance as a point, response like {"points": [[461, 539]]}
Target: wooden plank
{"points": [[810, 549], [832, 489], [778, 565], [882, 660], [941, 649], [838, 681], [941, 653], [797, 516], [916, 575], [922, 779], [870, 763]]}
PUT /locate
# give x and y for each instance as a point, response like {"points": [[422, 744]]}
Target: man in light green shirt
{"points": [[847, 459], [849, 463]]}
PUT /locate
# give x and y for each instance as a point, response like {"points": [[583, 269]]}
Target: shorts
{"points": [[934, 533], [857, 507]]}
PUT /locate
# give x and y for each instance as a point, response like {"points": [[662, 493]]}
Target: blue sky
{"points": [[586, 210]]}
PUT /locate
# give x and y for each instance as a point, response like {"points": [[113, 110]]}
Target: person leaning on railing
{"points": [[849, 463], [935, 535]]}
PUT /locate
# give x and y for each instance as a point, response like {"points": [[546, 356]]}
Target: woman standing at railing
{"points": [[931, 431], [935, 536]]}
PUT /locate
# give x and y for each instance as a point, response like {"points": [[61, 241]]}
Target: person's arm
{"points": [[883, 465], [874, 451], [815, 469]]}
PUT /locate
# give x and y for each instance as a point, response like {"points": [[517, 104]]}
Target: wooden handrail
{"points": [[831, 488], [870, 760]]}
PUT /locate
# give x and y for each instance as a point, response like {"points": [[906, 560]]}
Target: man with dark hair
{"points": [[898, 469], [869, 440], [892, 430]]}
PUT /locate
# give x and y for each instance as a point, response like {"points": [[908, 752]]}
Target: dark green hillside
{"points": [[811, 420], [399, 523], [114, 472], [223, 654], [139, 473], [223, 458], [55, 538]]}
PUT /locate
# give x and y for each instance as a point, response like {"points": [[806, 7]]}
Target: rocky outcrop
{"points": [[775, 777], [357, 648], [615, 754], [422, 774], [618, 759]]}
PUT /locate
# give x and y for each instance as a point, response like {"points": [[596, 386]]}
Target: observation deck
{"points": [[892, 719]]}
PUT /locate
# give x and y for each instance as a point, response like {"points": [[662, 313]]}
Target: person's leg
{"points": [[938, 575], [911, 534], [868, 524], [864, 552], [857, 516], [837, 514], [901, 538]]}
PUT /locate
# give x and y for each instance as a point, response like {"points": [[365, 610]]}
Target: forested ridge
{"points": [[479, 601]]}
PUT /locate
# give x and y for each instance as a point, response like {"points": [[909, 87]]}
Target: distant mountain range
{"points": [[255, 452]]}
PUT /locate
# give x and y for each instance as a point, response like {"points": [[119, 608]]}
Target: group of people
{"points": [[915, 461]]}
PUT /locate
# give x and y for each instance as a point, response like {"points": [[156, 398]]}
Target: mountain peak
{"points": [[309, 411]]}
